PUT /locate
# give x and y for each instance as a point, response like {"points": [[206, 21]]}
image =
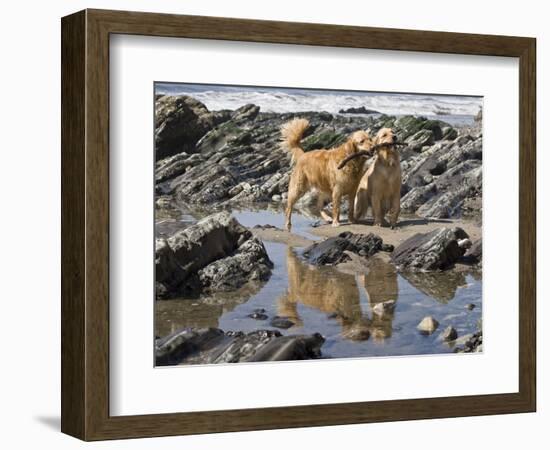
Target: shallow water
{"points": [[335, 304]]}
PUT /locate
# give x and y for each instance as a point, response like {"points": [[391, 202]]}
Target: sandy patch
{"points": [[406, 228], [281, 236]]}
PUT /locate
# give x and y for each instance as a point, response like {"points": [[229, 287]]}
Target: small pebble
{"points": [[428, 325], [356, 333], [281, 322], [449, 334], [470, 306], [258, 316]]}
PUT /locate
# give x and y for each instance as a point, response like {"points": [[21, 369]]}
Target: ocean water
{"points": [[452, 108]]}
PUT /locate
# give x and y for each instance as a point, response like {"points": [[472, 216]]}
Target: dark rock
{"points": [[449, 134], [249, 263], [436, 250], [333, 250], [453, 191], [180, 121], [176, 347], [435, 127], [408, 125], [444, 180], [474, 253], [258, 316], [211, 346], [460, 233], [359, 110], [170, 276], [237, 347], [470, 306], [325, 138], [290, 348], [281, 322], [207, 186], [267, 226], [215, 254], [417, 196], [479, 116], [472, 343], [245, 113], [174, 166], [210, 239], [449, 334], [460, 341], [357, 332], [218, 137], [420, 139]]}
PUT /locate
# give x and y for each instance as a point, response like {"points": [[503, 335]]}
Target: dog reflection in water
{"points": [[337, 295], [380, 284]]}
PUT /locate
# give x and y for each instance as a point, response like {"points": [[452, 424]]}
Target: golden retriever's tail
{"points": [[291, 135]]}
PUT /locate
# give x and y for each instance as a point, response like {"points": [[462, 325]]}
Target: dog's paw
{"points": [[335, 224]]}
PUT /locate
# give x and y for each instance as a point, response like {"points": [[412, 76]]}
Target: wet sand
{"points": [[407, 227], [281, 237]]}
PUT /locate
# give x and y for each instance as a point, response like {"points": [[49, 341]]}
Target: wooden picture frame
{"points": [[85, 224]]}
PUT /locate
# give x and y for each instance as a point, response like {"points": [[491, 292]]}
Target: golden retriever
{"points": [[380, 186], [318, 169]]}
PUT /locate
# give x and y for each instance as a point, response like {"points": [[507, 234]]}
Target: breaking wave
{"points": [[285, 100]]}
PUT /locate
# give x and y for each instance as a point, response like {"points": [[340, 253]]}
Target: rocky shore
{"points": [[212, 345], [225, 160], [215, 254]]}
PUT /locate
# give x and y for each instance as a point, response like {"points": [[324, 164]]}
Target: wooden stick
{"points": [[368, 153]]}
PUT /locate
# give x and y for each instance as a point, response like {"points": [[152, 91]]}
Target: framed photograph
{"points": [[272, 225]]}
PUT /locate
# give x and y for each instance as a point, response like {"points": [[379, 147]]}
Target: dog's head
{"points": [[385, 136], [362, 140]]}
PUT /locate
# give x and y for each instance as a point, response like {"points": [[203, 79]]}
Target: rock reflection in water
{"points": [[204, 312], [441, 286], [338, 295]]}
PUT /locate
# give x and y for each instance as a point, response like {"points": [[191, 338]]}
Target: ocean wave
{"points": [[286, 100]]}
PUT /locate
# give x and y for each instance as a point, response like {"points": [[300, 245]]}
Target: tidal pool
{"points": [[338, 305]]}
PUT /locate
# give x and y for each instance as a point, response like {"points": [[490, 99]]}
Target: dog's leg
{"points": [[336, 199], [395, 209], [377, 211], [295, 191], [321, 207], [361, 203], [351, 213]]}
